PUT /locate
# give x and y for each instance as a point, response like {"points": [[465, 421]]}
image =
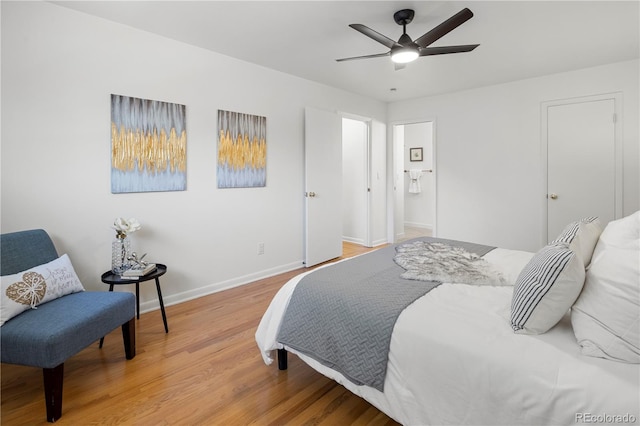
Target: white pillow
{"points": [[545, 289], [41, 284], [606, 316], [582, 237]]}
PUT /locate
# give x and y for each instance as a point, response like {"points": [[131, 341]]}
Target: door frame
{"points": [[391, 199], [618, 148]]}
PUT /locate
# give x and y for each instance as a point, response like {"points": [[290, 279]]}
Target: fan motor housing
{"points": [[404, 16]]}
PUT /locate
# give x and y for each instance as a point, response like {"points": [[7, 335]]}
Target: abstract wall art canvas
{"points": [[148, 145], [242, 150]]}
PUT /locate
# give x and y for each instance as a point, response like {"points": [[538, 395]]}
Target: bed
{"points": [[459, 353]]}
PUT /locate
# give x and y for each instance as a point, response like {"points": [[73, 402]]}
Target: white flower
{"points": [[134, 225], [124, 226]]}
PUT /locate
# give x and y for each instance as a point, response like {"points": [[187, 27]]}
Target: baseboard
{"points": [[359, 241], [419, 225], [174, 299], [380, 242]]}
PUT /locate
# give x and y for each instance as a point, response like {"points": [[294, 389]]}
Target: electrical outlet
{"points": [[260, 248]]}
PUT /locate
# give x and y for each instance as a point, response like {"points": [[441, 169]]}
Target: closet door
{"points": [[583, 162]]}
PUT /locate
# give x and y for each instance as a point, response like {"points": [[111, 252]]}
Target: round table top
{"points": [[111, 278]]}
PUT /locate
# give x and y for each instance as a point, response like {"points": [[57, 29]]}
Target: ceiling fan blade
{"points": [[449, 25], [382, 39], [443, 50], [377, 55]]}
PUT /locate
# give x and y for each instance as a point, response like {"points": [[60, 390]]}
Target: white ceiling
{"points": [[518, 39]]}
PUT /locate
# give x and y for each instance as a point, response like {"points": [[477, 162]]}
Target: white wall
{"points": [[418, 207], [489, 165], [59, 68]]}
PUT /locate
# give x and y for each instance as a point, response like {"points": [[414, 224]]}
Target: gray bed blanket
{"points": [[343, 315]]}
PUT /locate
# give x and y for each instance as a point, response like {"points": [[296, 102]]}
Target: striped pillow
{"points": [[546, 288], [582, 237]]}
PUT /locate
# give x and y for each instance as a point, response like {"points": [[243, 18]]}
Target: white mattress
{"points": [[455, 360]]}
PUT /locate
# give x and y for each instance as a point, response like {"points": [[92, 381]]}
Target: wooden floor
{"points": [[206, 371]]}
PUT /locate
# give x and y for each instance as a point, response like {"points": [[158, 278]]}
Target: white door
{"points": [[583, 175], [323, 186]]}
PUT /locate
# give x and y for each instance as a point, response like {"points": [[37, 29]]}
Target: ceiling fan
{"points": [[406, 50]]}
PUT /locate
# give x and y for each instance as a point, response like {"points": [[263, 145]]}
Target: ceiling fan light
{"points": [[403, 56]]}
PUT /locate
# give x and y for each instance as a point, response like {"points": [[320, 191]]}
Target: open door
{"points": [[323, 186]]}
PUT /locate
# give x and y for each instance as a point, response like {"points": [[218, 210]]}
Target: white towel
{"points": [[414, 183]]}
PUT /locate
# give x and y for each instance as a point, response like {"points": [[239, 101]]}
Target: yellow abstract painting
{"points": [[242, 150], [148, 145]]}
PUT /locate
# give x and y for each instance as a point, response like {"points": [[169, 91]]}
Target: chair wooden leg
{"points": [[129, 337], [53, 391]]}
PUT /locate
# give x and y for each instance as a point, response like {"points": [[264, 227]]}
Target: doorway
{"points": [[414, 180], [323, 233], [364, 182], [355, 183]]}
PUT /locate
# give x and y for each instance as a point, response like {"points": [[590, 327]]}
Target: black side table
{"points": [[113, 279]]}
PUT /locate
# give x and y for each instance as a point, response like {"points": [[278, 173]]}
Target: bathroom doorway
{"points": [[414, 183]]}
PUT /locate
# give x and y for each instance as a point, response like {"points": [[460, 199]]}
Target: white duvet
{"points": [[454, 359]]}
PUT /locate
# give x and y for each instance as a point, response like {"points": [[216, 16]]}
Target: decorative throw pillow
{"points": [[582, 237], [545, 289], [30, 288], [606, 316]]}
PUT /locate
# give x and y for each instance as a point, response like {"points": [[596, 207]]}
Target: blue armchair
{"points": [[47, 336]]}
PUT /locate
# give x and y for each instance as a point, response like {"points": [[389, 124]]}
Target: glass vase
{"points": [[120, 249]]}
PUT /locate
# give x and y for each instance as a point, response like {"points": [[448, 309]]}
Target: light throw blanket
{"points": [[441, 262]]}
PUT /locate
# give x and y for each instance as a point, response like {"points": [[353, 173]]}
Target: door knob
{"points": [[311, 194], [553, 196]]}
